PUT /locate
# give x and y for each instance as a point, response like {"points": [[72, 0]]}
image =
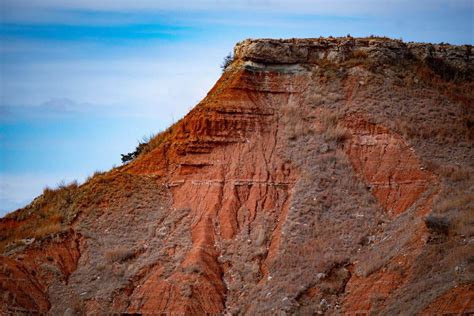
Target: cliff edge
{"points": [[318, 176]]}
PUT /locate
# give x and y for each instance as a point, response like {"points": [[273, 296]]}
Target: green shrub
{"points": [[227, 61], [148, 143]]}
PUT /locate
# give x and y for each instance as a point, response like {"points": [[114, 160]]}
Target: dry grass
{"points": [[454, 173], [294, 120], [359, 54], [328, 118], [48, 214], [96, 174], [331, 216], [119, 254], [324, 98], [457, 208], [52, 227], [193, 269], [332, 130], [149, 143], [336, 133], [463, 224], [454, 203], [358, 57], [156, 140]]}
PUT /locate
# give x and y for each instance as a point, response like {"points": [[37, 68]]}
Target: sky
{"points": [[82, 81]]}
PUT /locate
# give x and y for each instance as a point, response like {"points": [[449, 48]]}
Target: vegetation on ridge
{"points": [[147, 144], [336, 237], [227, 61]]}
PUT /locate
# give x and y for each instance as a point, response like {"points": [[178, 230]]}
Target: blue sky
{"points": [[81, 81]]}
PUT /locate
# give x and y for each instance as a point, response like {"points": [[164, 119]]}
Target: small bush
{"points": [[96, 173], [48, 214], [463, 224], [227, 61], [336, 133], [360, 54], [47, 229], [134, 154], [445, 70], [148, 143], [119, 254], [294, 120], [437, 224], [328, 119], [331, 129], [455, 202], [358, 57], [193, 268], [62, 193]]}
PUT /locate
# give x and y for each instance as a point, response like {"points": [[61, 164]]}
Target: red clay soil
{"points": [[388, 165], [224, 169], [242, 206], [397, 180], [458, 299], [28, 275]]}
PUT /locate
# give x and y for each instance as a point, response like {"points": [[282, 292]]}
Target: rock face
{"points": [[328, 176]]}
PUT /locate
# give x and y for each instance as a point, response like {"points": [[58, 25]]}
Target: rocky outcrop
{"points": [[301, 184], [303, 51]]}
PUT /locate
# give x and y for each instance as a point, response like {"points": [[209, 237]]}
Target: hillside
{"points": [[318, 176]]}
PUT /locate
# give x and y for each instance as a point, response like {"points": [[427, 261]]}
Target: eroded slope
{"points": [[317, 176]]}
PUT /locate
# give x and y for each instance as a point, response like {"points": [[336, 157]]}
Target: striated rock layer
{"points": [[318, 176]]}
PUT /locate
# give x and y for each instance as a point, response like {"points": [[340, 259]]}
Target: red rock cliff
{"points": [[317, 176]]}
